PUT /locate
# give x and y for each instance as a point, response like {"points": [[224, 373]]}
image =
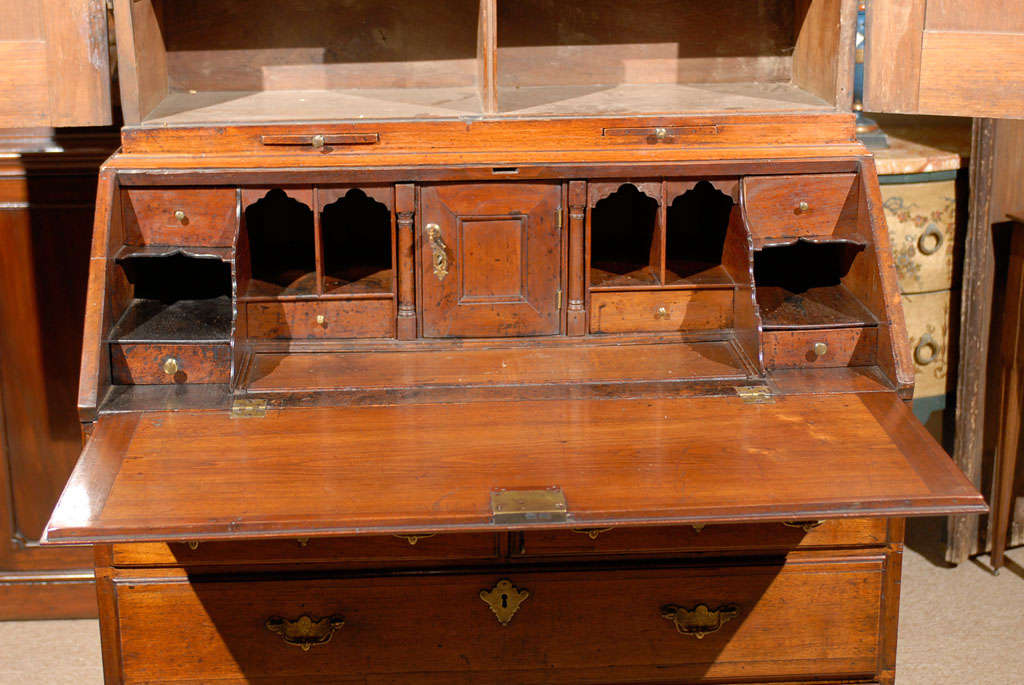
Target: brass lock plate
{"points": [[545, 505]]}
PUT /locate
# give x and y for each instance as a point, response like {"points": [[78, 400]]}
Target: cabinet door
{"points": [[54, 67], [945, 57], [490, 259]]}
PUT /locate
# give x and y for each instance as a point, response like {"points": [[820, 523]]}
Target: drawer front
{"points": [[800, 349], [928, 317], [180, 216], [323, 319], [621, 626], [360, 551], [922, 229], [660, 310], [786, 207], [658, 540], [166, 364]]}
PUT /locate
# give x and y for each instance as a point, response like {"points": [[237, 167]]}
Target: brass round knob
{"points": [[661, 313], [181, 216], [171, 366], [820, 349], [321, 319], [803, 208], [660, 133], [318, 142]]}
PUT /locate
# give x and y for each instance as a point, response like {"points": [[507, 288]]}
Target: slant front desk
{"points": [[518, 342]]}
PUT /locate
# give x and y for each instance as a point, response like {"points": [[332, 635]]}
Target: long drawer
{"points": [[805, 618]]}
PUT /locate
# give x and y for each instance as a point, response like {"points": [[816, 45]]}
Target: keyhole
{"points": [[504, 601]]}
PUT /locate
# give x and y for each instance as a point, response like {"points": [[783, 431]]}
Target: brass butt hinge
{"points": [[558, 300], [529, 506], [248, 409], [558, 218], [759, 394]]}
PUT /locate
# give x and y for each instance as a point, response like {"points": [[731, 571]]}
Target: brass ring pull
{"points": [[305, 631], [930, 240], [439, 249], [700, 620], [808, 526], [926, 350]]}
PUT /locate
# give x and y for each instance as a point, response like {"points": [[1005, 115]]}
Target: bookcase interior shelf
{"points": [[321, 60], [356, 237], [624, 240], [695, 232]]}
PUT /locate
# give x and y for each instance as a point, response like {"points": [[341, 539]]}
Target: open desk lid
{"points": [[464, 467]]}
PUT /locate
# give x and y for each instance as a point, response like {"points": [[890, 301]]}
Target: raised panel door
{"points": [[490, 259]]}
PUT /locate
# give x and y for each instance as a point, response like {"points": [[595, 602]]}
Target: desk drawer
{"points": [[802, 619], [800, 349], [180, 216], [362, 551], [169, 364], [805, 206], [664, 540], [322, 319]]}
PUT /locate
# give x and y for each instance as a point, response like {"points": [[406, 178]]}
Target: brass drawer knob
{"points": [[321, 319], [318, 142], [820, 349], [171, 366], [504, 600], [661, 313], [803, 208], [660, 133], [181, 217], [700, 620], [305, 631]]}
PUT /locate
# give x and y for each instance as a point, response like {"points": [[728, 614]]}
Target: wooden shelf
{"points": [[302, 286], [145, 320], [616, 276], [823, 307], [224, 254], [682, 273]]}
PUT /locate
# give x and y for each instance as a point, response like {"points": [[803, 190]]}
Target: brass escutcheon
{"points": [[504, 600], [439, 250], [700, 620], [305, 631]]}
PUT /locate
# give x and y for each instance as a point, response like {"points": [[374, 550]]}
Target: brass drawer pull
{"points": [[657, 134], [926, 350], [803, 208], [439, 249], [171, 366], [931, 240], [413, 539], [321, 141], [504, 600], [700, 620], [181, 217], [820, 349], [808, 526], [592, 533], [305, 631], [661, 313]]}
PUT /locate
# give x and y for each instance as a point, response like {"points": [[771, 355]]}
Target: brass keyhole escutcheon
{"points": [[439, 250], [820, 349], [171, 366], [504, 600]]}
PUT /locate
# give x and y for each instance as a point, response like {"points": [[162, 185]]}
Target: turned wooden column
{"points": [[576, 323], [405, 208]]}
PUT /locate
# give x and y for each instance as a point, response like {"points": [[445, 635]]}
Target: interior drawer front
{"points": [[322, 319], [717, 538], [621, 624], [660, 310], [802, 349], [167, 364], [180, 216], [811, 205], [411, 549]]}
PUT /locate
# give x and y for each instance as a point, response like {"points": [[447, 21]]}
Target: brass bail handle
{"points": [[305, 631], [699, 621]]}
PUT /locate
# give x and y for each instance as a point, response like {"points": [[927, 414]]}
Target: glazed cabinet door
{"points": [[945, 57], [54, 65], [490, 259]]}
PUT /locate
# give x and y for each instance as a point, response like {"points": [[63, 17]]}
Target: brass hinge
{"points": [[558, 218], [529, 506], [558, 299], [248, 409], [759, 394]]}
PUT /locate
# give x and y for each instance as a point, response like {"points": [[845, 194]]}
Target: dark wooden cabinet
{"points": [[418, 343]]}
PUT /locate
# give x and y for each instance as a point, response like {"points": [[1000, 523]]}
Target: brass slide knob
{"points": [[171, 366]]}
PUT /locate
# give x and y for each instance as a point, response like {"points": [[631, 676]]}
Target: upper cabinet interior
{"points": [[211, 61], [945, 57]]}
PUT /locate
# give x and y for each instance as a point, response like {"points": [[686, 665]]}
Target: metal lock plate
{"points": [[529, 506]]}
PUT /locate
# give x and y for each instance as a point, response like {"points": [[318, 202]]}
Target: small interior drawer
{"points": [[658, 540], [437, 549], [180, 216], [820, 348], [714, 623], [168, 364], [812, 205], [363, 318], [660, 310]]}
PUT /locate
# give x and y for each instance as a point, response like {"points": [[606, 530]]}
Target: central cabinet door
{"points": [[490, 259]]}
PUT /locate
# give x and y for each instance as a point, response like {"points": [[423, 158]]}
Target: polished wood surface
{"points": [[130, 485]]}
